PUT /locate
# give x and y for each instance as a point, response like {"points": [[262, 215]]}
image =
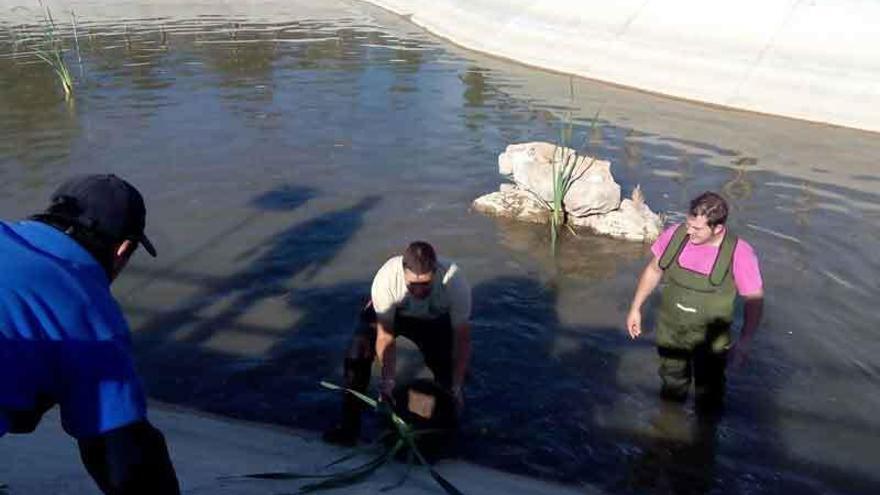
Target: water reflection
{"points": [[738, 189], [581, 256], [632, 149], [526, 350], [476, 93], [38, 126], [679, 458], [127, 58], [804, 206]]}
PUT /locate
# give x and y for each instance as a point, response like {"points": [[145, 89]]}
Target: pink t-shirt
{"points": [[700, 259]]}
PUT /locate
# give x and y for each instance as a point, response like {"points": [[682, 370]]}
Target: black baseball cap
{"points": [[104, 204]]}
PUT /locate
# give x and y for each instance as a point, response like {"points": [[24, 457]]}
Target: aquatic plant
{"points": [[401, 439], [52, 53], [76, 43], [569, 164]]}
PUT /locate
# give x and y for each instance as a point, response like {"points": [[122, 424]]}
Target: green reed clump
{"points": [[569, 164], [401, 439], [52, 53]]}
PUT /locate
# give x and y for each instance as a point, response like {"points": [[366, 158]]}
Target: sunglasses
{"points": [[419, 285]]}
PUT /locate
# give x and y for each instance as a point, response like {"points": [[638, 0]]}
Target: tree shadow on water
{"points": [[286, 198], [171, 345]]}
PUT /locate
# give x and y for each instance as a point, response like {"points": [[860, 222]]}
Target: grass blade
{"points": [[370, 402], [52, 53], [375, 446], [290, 475], [443, 482], [396, 420], [406, 437], [279, 475], [355, 475], [410, 460]]}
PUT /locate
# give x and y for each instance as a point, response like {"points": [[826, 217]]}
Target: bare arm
{"points": [[386, 350], [648, 281], [462, 354], [752, 311], [460, 313]]}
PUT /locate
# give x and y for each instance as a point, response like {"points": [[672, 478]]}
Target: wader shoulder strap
{"points": [[674, 247], [724, 260]]}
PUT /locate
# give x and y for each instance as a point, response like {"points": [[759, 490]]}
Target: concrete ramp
{"points": [[205, 448], [815, 60]]}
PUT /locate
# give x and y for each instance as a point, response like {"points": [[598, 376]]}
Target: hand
{"points": [[634, 323], [739, 353], [386, 391]]}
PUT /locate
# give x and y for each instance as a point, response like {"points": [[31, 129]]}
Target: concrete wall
{"points": [[815, 60]]}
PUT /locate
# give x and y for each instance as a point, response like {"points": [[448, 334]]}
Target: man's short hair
{"points": [[420, 258], [710, 205]]}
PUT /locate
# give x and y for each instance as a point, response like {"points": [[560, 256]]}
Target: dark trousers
{"points": [[131, 460], [433, 337], [702, 366]]}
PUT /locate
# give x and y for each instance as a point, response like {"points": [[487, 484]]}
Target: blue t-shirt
{"points": [[63, 338]]}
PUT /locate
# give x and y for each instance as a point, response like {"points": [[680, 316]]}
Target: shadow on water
{"points": [[282, 199], [172, 343]]}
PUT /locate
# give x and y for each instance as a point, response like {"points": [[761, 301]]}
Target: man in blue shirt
{"points": [[64, 341]]}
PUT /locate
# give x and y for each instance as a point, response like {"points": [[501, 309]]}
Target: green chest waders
{"points": [[696, 309]]}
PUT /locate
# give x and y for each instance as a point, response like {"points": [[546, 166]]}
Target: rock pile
{"points": [[593, 200]]}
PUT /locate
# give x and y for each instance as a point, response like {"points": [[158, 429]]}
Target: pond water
{"points": [[286, 150]]}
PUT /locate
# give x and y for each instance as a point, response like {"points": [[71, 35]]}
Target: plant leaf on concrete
{"points": [[406, 438]]}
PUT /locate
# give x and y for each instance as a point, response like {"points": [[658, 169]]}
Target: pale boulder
{"points": [[512, 202], [593, 201], [530, 166], [633, 221]]}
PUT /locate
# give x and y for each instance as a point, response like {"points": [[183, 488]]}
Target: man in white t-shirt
{"points": [[424, 299]]}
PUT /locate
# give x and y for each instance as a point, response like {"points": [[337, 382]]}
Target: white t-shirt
{"points": [[450, 293]]}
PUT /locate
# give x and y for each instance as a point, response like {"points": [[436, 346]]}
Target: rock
{"points": [[592, 202], [530, 165], [634, 221], [513, 203]]}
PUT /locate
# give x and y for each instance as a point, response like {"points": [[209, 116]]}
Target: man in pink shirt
{"points": [[703, 267]]}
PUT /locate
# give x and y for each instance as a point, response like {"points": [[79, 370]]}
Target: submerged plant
{"points": [[401, 439], [52, 53]]}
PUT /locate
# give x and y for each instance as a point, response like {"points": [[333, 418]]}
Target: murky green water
{"points": [[287, 150]]}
